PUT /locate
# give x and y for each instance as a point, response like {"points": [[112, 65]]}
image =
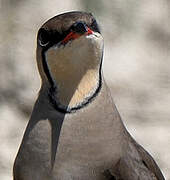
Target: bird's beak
{"points": [[74, 35]]}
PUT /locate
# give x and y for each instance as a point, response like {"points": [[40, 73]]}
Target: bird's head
{"points": [[69, 57]]}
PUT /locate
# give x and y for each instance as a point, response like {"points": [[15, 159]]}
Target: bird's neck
{"points": [[73, 90], [75, 87]]}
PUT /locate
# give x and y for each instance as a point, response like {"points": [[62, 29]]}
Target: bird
{"points": [[75, 131]]}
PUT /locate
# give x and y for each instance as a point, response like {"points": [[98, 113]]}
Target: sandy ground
{"points": [[136, 67]]}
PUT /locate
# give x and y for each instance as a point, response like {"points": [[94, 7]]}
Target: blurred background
{"points": [[136, 67]]}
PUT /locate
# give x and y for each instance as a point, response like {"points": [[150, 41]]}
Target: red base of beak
{"points": [[74, 35]]}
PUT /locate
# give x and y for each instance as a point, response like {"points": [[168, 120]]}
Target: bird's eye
{"points": [[95, 27], [79, 27], [43, 37]]}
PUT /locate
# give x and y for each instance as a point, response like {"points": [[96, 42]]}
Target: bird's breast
{"points": [[90, 141]]}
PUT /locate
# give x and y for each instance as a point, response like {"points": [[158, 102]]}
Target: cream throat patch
{"points": [[75, 68]]}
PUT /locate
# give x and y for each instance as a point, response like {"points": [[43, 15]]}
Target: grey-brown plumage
{"points": [[75, 131]]}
